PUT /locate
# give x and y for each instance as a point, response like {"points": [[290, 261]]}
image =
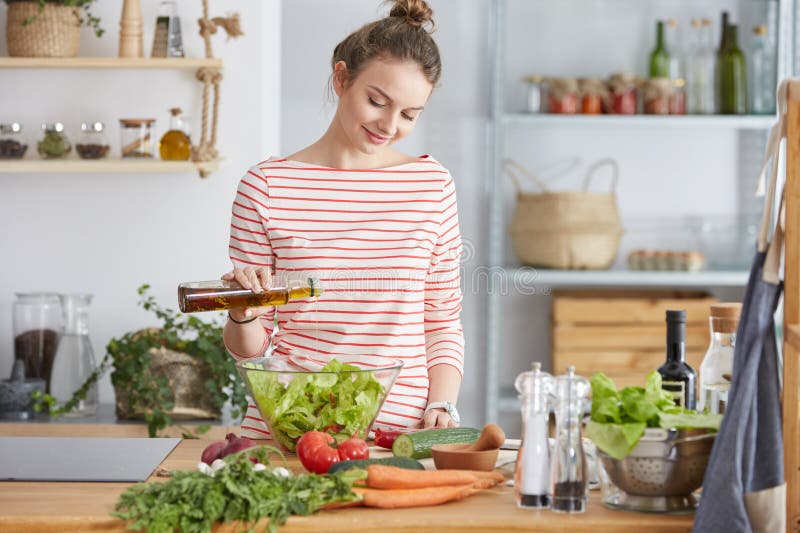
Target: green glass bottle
{"points": [[732, 77], [659, 57], [723, 47]]}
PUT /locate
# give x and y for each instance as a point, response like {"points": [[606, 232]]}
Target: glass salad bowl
{"points": [[341, 395]]}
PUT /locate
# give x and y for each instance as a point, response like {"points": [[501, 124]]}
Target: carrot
{"points": [[342, 505], [497, 477], [484, 483], [391, 477], [399, 498]]}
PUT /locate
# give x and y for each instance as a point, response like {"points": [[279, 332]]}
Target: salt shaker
{"points": [[569, 470], [532, 480]]}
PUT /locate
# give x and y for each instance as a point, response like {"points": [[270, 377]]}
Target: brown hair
{"points": [[401, 35]]}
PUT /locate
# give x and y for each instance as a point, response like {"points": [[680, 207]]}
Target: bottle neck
{"points": [[676, 341], [723, 41], [660, 36], [723, 340]]}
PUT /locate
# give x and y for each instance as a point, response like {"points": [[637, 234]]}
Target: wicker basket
{"points": [[54, 32], [565, 230], [187, 376]]}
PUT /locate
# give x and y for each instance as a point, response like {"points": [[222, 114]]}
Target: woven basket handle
{"points": [[512, 168], [601, 163]]}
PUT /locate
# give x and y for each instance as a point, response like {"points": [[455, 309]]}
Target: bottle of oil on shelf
{"points": [[175, 144], [217, 295]]}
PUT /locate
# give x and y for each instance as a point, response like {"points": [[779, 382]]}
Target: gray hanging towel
{"points": [[743, 488]]}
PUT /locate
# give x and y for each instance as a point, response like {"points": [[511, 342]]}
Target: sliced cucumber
{"points": [[399, 462], [418, 445]]}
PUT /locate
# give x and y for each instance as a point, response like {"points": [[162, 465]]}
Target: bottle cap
{"points": [[92, 126], [761, 29], [534, 381], [676, 315], [672, 23], [726, 310], [696, 23], [53, 126]]}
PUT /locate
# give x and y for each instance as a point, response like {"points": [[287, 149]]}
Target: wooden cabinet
{"points": [[623, 333]]}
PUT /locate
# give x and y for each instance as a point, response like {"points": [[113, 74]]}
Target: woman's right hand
{"points": [[257, 279]]}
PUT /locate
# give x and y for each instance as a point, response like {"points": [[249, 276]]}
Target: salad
{"points": [[619, 418], [339, 399]]}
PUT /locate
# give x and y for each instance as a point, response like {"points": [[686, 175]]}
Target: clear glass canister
{"points": [[137, 137], [13, 144], [37, 321], [532, 480], [93, 143], [54, 143], [535, 94], [74, 361], [716, 370]]}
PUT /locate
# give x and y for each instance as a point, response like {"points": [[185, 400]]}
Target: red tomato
{"points": [[317, 451], [353, 448]]}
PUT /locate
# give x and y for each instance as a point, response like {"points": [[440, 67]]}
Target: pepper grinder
{"points": [[569, 471], [532, 480]]}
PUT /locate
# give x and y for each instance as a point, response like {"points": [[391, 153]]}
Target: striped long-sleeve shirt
{"points": [[385, 245]]}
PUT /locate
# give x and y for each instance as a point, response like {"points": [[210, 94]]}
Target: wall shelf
{"points": [[106, 166], [740, 122], [110, 62], [536, 280]]}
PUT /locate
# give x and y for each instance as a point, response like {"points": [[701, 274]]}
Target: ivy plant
{"points": [[130, 355], [86, 18]]}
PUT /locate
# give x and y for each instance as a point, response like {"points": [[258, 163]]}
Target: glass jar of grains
{"points": [[93, 143], [137, 137], [12, 142], [54, 143]]}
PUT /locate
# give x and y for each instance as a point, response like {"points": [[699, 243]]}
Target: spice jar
{"points": [[593, 93], [137, 139], [12, 143], [562, 96], [92, 143], [534, 97], [657, 96], [677, 103], [622, 94], [54, 143]]}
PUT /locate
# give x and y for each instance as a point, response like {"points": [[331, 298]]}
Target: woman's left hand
{"points": [[437, 418]]}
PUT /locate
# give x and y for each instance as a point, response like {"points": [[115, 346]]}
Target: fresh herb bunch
{"points": [[191, 501], [87, 18], [150, 394]]}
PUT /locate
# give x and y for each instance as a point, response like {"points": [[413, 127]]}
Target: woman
{"points": [[378, 228]]}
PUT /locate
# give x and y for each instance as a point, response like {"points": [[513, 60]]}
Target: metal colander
{"points": [[665, 463]]}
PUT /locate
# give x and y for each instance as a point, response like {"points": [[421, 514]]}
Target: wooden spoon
{"points": [[491, 438]]}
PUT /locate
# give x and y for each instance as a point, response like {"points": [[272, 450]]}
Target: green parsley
{"points": [[191, 501]]}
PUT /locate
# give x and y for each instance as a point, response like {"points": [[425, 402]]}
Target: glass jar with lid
{"points": [[13, 144], [562, 96], [593, 93], [137, 137], [657, 96], [54, 143], [622, 89], [534, 94], [93, 143]]}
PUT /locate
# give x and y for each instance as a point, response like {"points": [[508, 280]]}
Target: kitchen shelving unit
{"points": [[501, 398], [107, 166]]}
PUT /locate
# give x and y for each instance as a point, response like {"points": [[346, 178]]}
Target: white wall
{"points": [[108, 234]]}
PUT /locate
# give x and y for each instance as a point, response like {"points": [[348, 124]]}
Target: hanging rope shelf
{"points": [[211, 77]]}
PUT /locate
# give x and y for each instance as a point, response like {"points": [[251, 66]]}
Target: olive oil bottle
{"points": [[175, 144], [677, 377], [217, 295]]}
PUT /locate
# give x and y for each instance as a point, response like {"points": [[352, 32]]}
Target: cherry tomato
{"points": [[317, 451], [353, 448]]}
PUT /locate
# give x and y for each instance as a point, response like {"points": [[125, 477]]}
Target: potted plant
{"points": [[178, 371], [48, 28]]}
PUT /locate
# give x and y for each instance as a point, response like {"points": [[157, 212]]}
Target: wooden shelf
{"points": [[524, 279], [107, 166], [109, 62], [742, 122]]}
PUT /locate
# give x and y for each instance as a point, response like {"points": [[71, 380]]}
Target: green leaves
{"points": [[619, 418], [193, 502]]}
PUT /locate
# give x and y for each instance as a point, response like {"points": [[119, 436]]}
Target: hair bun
{"points": [[415, 12]]}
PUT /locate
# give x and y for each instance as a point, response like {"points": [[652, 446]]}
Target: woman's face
{"points": [[382, 104]]}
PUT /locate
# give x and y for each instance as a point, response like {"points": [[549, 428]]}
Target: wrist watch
{"points": [[450, 408]]}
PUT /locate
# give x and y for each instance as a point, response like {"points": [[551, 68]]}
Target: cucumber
{"points": [[399, 462], [418, 444]]}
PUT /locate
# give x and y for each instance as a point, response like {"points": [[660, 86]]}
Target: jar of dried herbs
{"points": [[93, 143], [54, 144], [12, 143]]}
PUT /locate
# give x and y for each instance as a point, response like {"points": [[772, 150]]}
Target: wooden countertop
{"points": [[81, 507]]}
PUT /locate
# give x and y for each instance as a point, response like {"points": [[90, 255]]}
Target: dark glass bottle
{"points": [[677, 377], [659, 57], [732, 77], [723, 47]]}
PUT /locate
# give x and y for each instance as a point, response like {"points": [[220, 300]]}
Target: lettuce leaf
{"points": [[619, 418], [337, 398]]}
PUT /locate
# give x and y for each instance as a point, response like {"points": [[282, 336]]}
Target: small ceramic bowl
{"points": [[453, 457]]}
